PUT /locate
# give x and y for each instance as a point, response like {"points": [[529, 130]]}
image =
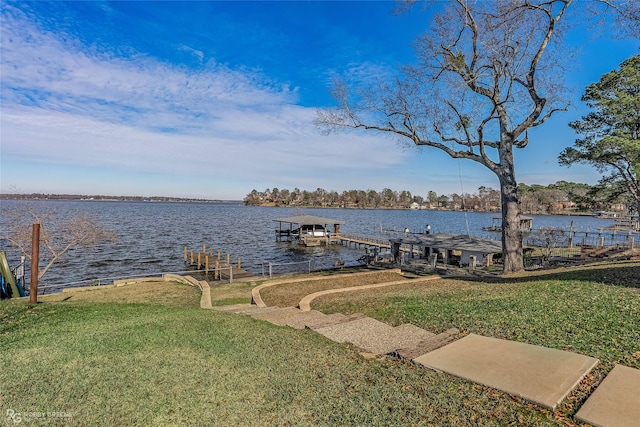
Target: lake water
{"points": [[151, 235]]}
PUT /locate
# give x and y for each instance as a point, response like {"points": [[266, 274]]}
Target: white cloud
{"points": [[65, 104]]}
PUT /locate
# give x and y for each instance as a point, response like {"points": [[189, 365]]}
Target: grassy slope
{"points": [[163, 362], [111, 363]]}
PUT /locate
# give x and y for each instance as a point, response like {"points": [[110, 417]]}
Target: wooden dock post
{"points": [[185, 254], [191, 263], [216, 275], [239, 263], [228, 259], [199, 263], [218, 255], [206, 265]]}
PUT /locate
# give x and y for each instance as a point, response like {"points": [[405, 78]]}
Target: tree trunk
{"points": [[511, 232]]}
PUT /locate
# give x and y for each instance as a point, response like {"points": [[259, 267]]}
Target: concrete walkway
{"points": [[538, 374], [305, 303]]}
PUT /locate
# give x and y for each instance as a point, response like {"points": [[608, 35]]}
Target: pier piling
{"points": [[205, 261]]}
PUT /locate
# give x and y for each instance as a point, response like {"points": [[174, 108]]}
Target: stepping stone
{"points": [[245, 309], [300, 320], [273, 315], [426, 345], [374, 336], [408, 334], [541, 375], [616, 401], [366, 333], [333, 319], [410, 329], [290, 316], [232, 308]]}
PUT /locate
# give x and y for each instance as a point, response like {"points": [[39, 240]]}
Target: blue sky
{"points": [[214, 99]]}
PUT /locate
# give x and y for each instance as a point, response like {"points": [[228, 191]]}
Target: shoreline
{"points": [[386, 208]]}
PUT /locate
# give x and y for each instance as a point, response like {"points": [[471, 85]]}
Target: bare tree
{"points": [[58, 236], [488, 71], [546, 239]]}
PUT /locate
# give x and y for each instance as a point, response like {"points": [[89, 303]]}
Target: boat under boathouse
{"points": [[307, 229]]}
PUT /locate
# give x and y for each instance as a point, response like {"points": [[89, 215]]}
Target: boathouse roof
{"points": [[309, 220], [455, 242]]}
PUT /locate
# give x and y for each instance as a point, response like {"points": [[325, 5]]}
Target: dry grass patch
{"points": [[173, 294], [290, 294], [230, 293]]}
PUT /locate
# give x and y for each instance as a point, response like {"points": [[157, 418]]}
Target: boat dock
{"points": [[372, 242], [220, 268]]}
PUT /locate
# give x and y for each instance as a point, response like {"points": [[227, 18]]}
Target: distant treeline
{"points": [[560, 197], [40, 196]]}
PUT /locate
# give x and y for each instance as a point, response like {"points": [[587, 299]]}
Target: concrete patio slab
{"points": [[616, 401], [541, 375]]}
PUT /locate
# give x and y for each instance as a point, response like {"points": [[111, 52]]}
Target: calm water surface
{"points": [[151, 235]]}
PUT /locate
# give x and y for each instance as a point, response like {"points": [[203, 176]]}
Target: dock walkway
{"points": [[360, 240]]}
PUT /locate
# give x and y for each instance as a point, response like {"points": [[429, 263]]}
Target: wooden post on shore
{"points": [[199, 263], [239, 262], [216, 275], [206, 265], [211, 251], [35, 256], [185, 254], [228, 259], [218, 255], [204, 249], [191, 263]]}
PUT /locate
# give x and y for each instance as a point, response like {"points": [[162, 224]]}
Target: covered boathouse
{"points": [[456, 249], [307, 229]]}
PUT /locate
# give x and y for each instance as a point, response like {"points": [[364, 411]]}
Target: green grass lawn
{"points": [[103, 360], [586, 317]]}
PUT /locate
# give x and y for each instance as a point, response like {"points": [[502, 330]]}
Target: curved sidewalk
{"points": [[257, 299], [305, 303]]}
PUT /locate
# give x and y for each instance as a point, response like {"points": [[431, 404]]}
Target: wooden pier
{"points": [[371, 242], [360, 240], [220, 268]]}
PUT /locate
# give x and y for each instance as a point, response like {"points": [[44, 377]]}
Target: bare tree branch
{"points": [[57, 236]]}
